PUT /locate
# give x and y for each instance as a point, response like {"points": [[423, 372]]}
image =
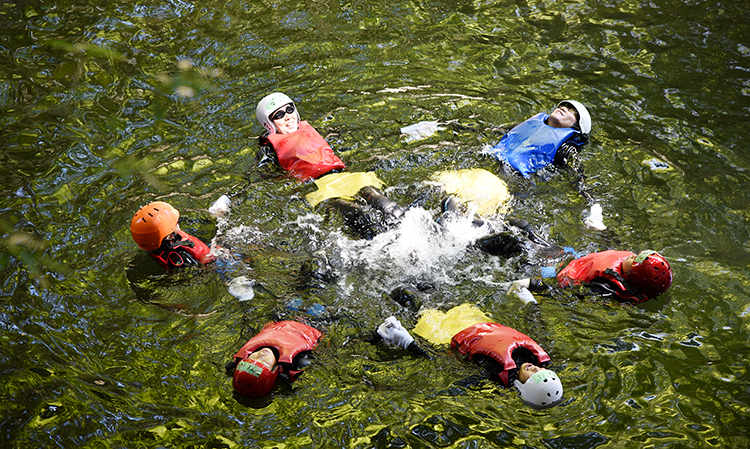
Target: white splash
{"points": [[417, 247]]}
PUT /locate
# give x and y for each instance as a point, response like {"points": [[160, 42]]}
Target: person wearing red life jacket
{"points": [[295, 145], [281, 350], [155, 229], [510, 357], [627, 277]]}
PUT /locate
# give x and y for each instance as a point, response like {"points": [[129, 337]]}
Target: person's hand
{"points": [[518, 284], [520, 288], [394, 333]]}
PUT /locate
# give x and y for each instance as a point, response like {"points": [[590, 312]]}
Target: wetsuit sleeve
{"points": [[491, 367], [566, 155], [537, 285], [266, 154], [229, 367], [603, 287], [302, 360], [415, 349]]}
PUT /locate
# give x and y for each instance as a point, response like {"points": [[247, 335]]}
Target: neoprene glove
{"points": [[394, 333], [518, 284], [523, 288], [520, 288]]}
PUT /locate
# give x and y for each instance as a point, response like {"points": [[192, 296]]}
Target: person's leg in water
{"points": [[450, 210], [392, 210], [369, 221], [410, 296], [365, 222], [502, 243]]}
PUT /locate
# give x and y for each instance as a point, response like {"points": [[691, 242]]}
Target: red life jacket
{"points": [[289, 338], [498, 342], [304, 153], [187, 251], [604, 264]]}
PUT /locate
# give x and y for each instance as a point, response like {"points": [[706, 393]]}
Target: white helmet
{"points": [[270, 103], [542, 390], [584, 119]]}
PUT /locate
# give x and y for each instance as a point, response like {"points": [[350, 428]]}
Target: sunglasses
{"points": [[282, 112], [570, 109]]}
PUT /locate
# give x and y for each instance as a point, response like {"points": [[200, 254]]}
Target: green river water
{"points": [[107, 105]]}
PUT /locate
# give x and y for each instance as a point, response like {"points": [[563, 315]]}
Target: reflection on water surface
{"points": [[106, 106]]}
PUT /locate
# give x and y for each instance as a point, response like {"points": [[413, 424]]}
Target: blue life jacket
{"points": [[532, 145]]}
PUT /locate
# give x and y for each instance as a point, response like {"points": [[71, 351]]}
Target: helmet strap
{"points": [[628, 286]]}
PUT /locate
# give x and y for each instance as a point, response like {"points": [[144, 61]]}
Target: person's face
{"points": [[265, 357], [627, 265], [285, 119], [562, 117], [175, 235], [527, 370]]}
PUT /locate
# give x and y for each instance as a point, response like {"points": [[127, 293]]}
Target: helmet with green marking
{"points": [[253, 379], [651, 273], [268, 105], [542, 390]]}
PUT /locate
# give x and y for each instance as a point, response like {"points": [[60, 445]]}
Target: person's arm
{"points": [[302, 360], [490, 366], [266, 154], [523, 288], [567, 157], [229, 367]]}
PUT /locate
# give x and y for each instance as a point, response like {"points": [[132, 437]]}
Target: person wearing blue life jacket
{"points": [[545, 139]]}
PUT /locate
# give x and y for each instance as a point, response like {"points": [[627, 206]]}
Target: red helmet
{"points": [[651, 273], [253, 379], [152, 223]]}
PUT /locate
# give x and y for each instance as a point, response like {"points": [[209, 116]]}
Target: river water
{"points": [[106, 106]]}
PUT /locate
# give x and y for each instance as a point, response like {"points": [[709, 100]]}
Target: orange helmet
{"points": [[651, 273], [253, 379], [152, 223]]}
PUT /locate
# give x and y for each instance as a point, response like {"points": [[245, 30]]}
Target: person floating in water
{"points": [[622, 275], [281, 350], [295, 145], [155, 229], [545, 139], [509, 357], [300, 150]]}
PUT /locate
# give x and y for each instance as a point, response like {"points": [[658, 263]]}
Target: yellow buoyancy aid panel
{"points": [[342, 185], [439, 327], [478, 186]]}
